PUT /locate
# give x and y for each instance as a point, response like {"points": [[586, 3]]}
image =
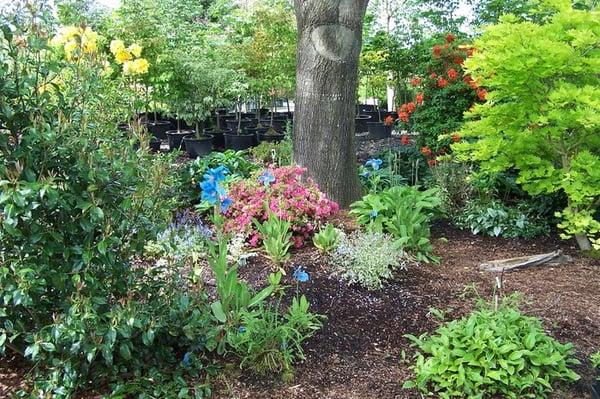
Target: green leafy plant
{"points": [[542, 116], [495, 219], [491, 352], [368, 258], [276, 237], [595, 359], [404, 212], [268, 153], [327, 238], [378, 174], [270, 342]]}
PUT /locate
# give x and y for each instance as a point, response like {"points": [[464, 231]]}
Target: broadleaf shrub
{"points": [[491, 352]]}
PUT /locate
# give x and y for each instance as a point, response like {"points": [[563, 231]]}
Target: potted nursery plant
{"points": [[380, 129], [239, 139], [276, 126]]}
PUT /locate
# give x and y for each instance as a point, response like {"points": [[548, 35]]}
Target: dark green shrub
{"points": [[491, 352]]}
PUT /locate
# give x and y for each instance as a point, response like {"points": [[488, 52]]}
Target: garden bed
{"points": [[358, 354]]}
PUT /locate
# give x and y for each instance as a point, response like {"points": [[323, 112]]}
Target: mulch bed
{"points": [[361, 351]]}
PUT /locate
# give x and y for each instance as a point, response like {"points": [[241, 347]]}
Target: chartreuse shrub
{"points": [[491, 352], [542, 115], [405, 213]]}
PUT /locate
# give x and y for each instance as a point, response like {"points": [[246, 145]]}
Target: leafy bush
{"points": [[442, 97], [491, 353], [495, 219], [407, 162], [327, 238], [78, 202], [377, 175], [453, 182], [405, 213], [542, 116], [368, 258], [276, 237], [283, 192], [279, 154]]}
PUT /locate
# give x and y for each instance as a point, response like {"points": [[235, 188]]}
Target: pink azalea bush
{"points": [[287, 195]]}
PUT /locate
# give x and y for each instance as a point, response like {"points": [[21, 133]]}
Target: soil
{"points": [[361, 351]]}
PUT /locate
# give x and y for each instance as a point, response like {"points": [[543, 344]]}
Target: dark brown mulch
{"points": [[360, 351]]}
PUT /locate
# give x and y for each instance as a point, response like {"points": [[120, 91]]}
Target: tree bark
{"points": [[329, 44]]}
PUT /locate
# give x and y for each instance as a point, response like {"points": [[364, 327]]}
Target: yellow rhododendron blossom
{"points": [[70, 47], [136, 67], [88, 41], [135, 49], [122, 56], [116, 46]]}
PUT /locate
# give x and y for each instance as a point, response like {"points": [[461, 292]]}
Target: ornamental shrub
{"points": [[283, 192], [542, 117], [491, 352], [442, 96]]}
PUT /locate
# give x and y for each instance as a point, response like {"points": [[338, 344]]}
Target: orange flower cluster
{"points": [[405, 111]]}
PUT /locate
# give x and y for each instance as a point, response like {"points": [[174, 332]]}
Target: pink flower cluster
{"points": [[288, 196]]}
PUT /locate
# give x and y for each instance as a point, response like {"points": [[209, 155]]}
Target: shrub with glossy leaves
{"points": [[491, 352]]}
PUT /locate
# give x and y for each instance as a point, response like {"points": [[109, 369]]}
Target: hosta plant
{"points": [[404, 212], [491, 352]]}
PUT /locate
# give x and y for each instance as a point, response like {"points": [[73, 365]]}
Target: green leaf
{"points": [[217, 310]]}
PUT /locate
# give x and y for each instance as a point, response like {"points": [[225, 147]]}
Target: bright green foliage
{"points": [[542, 117], [405, 213], [368, 258], [491, 353], [268, 153], [276, 237], [327, 238], [269, 342], [495, 219], [595, 359]]}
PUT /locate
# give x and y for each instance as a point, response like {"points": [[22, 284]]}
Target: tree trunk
{"points": [[329, 43]]}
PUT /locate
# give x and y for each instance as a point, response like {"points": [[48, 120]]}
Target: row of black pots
{"points": [[377, 130]]}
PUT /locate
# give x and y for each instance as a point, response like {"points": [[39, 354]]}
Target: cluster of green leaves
{"points": [[407, 164], [259, 332], [453, 181], [276, 237], [595, 359], [491, 352], [368, 258], [77, 202], [386, 176], [542, 115], [268, 342], [495, 219], [269, 153], [404, 212], [327, 238]]}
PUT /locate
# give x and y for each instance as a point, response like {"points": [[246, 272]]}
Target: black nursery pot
{"points": [[154, 145], [377, 130], [360, 123], [273, 137], [365, 108], [176, 138], [198, 146], [159, 129], [596, 390], [233, 123], [239, 142], [218, 137], [278, 123]]}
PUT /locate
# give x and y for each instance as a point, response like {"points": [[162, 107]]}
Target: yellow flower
{"points": [[116, 46], [88, 41], [136, 67], [69, 32], [122, 56], [135, 49], [70, 47]]}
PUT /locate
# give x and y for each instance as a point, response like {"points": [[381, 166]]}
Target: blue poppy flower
{"points": [[225, 204], [366, 173], [217, 174], [373, 214], [301, 275], [374, 163], [186, 359], [242, 329], [266, 178]]}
